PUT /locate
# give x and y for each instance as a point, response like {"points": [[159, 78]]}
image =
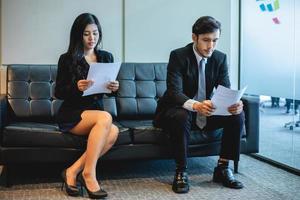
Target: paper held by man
{"points": [[225, 97], [101, 74]]}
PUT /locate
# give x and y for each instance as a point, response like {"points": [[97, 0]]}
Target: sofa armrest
{"points": [[251, 109], [3, 112]]}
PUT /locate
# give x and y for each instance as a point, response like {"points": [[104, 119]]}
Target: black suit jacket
{"points": [[182, 78], [68, 74]]}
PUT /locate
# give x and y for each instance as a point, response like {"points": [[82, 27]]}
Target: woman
{"points": [[84, 115]]}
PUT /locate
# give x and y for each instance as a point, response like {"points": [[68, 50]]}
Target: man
{"points": [[193, 72]]}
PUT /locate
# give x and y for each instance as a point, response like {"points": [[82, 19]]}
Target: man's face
{"points": [[206, 43]]}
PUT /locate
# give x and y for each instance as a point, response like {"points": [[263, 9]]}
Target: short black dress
{"points": [[68, 74]]}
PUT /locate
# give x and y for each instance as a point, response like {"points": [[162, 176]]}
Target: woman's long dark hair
{"points": [[75, 49]]}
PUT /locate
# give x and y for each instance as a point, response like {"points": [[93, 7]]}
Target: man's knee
{"points": [[181, 116], [174, 119], [238, 119], [179, 122]]}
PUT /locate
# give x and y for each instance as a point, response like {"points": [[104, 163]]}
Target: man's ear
{"points": [[194, 37]]}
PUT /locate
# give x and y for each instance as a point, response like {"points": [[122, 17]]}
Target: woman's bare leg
{"points": [[102, 135]]}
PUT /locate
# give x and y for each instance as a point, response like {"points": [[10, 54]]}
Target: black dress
{"points": [[68, 74]]}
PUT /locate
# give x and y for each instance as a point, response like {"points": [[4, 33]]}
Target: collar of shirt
{"points": [[198, 57]]}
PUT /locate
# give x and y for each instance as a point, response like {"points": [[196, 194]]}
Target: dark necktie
{"points": [[201, 95]]}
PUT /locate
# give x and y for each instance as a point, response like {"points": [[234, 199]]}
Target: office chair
{"points": [[291, 125]]}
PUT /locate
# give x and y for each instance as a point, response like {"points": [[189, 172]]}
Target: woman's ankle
{"points": [[90, 180]]}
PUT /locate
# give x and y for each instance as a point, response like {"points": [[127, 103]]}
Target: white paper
{"points": [[101, 74], [225, 97]]}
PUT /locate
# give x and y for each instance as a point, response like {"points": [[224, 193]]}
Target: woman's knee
{"points": [[114, 129], [103, 118], [114, 132]]}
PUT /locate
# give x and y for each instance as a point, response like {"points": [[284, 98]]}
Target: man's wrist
{"points": [[196, 105], [189, 105]]}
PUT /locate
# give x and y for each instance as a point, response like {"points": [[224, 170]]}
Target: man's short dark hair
{"points": [[206, 24]]}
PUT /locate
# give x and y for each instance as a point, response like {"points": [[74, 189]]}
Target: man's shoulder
{"points": [[183, 50], [218, 55]]}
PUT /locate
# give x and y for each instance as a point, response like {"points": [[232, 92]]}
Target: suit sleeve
{"points": [[223, 77], [65, 87], [175, 80]]}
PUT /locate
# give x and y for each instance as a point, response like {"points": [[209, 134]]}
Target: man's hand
{"points": [[205, 107], [84, 84], [236, 109]]}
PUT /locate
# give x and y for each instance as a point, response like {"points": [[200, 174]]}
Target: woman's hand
{"points": [[113, 85], [84, 84], [236, 109]]}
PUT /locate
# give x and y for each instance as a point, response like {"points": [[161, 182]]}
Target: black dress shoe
{"points": [[181, 182], [72, 190], [224, 175]]}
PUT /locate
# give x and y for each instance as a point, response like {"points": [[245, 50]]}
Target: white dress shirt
{"points": [[189, 103]]}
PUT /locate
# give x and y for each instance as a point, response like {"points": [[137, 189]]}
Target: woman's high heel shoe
{"points": [[70, 189], [93, 195]]}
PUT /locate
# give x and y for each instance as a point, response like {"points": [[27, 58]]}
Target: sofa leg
{"points": [[236, 166], [5, 176]]}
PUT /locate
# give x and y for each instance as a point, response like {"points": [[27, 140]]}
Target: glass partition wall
{"points": [[270, 66]]}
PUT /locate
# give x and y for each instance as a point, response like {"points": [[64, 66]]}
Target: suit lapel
{"points": [[209, 75], [193, 66], [192, 70]]}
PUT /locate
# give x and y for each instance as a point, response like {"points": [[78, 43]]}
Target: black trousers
{"points": [[179, 122]]}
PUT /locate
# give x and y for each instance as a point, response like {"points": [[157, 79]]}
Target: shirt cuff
{"points": [[189, 105]]}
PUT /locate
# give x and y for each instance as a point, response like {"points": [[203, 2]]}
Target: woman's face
{"points": [[90, 37]]}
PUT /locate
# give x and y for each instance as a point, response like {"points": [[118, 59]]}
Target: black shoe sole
{"points": [[217, 180], [181, 190]]}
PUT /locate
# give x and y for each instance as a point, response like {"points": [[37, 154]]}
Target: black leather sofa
{"points": [[29, 134]]}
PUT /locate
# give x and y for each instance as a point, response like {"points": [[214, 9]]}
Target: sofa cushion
{"points": [[145, 133], [31, 134], [124, 136]]}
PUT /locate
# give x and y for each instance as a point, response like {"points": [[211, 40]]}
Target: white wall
{"points": [[234, 44], [37, 31], [2, 69], [0, 35], [153, 28]]}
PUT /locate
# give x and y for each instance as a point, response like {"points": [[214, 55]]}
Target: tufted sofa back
{"points": [[30, 91], [140, 86]]}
